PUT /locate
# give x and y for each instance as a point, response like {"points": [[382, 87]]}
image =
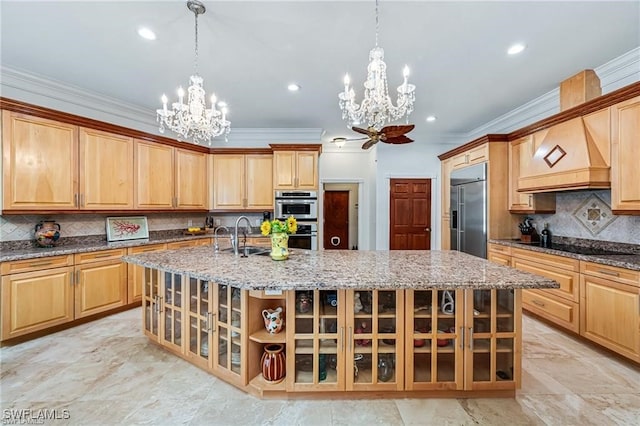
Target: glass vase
{"points": [[279, 246]]}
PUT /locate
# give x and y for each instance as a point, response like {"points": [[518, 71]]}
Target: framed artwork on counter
{"points": [[127, 228]]}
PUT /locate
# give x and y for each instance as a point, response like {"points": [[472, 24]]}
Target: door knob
{"points": [[427, 229]]}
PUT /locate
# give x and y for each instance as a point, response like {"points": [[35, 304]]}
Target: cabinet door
{"points": [[520, 152], [610, 315], [284, 170], [151, 285], [191, 179], [625, 154], [230, 334], [136, 274], [307, 170], [259, 182], [33, 301], [171, 311], [100, 287], [492, 354], [199, 319], [434, 340], [375, 340], [106, 171], [153, 176], [445, 229], [229, 182], [446, 167], [316, 341], [40, 163]]}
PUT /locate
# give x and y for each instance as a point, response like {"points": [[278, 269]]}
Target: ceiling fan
{"points": [[388, 134]]}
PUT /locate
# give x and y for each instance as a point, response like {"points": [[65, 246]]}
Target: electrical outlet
{"points": [[190, 223], [217, 222], [258, 222]]}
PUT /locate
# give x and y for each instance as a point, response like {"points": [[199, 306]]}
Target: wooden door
{"points": [[100, 287], [410, 214], [228, 182], [259, 181], [336, 220], [191, 191], [33, 301], [153, 176], [40, 163], [307, 170], [106, 171]]}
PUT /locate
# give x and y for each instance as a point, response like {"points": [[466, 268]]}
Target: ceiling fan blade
{"points": [[398, 140], [393, 131], [368, 144], [361, 130]]}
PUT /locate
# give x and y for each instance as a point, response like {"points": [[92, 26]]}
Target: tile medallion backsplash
{"points": [[587, 214]]}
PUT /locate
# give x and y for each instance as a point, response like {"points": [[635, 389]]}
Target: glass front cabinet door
{"points": [[230, 332], [171, 311], [375, 340], [199, 322], [315, 329], [435, 344], [151, 303], [494, 339]]}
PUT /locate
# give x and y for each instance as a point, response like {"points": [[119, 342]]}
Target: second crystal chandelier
{"points": [[376, 109], [194, 120]]}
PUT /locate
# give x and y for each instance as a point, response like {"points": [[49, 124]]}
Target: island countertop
{"points": [[342, 269]]}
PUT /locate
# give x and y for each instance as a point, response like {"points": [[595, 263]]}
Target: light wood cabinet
{"points": [[38, 294], [40, 163], [610, 308], [499, 254], [445, 221], [135, 273], [189, 243], [476, 155], [106, 171], [168, 178], [295, 170], [243, 182], [520, 152], [560, 306], [100, 281], [625, 157], [463, 340]]}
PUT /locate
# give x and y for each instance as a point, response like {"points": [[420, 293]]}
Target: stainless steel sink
{"points": [[250, 250]]}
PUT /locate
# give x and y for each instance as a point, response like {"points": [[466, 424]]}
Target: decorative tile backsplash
{"points": [[22, 227], [587, 214]]}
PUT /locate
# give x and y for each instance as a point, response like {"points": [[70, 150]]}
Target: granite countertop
{"points": [[343, 269], [630, 260]]}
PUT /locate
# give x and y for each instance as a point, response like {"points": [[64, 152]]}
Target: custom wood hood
{"points": [[571, 155]]}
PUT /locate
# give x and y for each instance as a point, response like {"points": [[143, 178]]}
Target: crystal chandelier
{"points": [[376, 109], [193, 120]]}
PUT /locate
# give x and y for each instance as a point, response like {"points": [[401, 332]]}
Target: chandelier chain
{"points": [[195, 64], [377, 23]]}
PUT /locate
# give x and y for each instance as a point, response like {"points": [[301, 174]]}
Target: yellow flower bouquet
{"points": [[279, 232], [276, 226]]}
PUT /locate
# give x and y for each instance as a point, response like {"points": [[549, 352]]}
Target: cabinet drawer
{"points": [[569, 281], [626, 276], [557, 310], [499, 258], [497, 248], [146, 248], [99, 256], [548, 259], [40, 263], [182, 244]]}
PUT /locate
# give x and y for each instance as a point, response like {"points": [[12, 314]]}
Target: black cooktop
{"points": [[588, 251]]}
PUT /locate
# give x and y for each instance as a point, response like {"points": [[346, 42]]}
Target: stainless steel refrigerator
{"points": [[469, 210]]}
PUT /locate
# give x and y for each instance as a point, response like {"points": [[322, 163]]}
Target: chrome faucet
{"points": [[216, 247], [234, 241]]}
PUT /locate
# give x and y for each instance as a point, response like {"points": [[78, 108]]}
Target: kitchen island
{"points": [[366, 323]]}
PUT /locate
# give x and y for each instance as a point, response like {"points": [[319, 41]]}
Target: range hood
{"points": [[573, 154], [568, 156]]}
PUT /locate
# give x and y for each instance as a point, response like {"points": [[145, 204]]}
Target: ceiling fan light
{"points": [[339, 142]]}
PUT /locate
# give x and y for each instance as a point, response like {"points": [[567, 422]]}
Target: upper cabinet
{"points": [[242, 182], [476, 155], [169, 178], [625, 157], [520, 152], [49, 165], [295, 170]]}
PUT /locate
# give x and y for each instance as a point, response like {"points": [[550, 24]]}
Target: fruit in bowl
{"points": [[194, 229]]}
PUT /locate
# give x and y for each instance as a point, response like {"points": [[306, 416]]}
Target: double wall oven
{"points": [[303, 205]]}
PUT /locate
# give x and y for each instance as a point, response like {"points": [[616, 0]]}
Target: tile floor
{"points": [[106, 373]]}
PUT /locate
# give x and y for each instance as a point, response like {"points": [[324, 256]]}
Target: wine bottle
{"points": [[545, 237]]}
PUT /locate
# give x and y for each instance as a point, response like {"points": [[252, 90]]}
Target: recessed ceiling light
{"points": [[293, 87], [516, 48], [431, 118], [146, 33]]}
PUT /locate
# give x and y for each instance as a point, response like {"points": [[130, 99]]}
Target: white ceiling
{"points": [[250, 51]]}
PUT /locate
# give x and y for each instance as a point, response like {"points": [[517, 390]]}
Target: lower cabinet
{"points": [[462, 340], [136, 273], [38, 294]]}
